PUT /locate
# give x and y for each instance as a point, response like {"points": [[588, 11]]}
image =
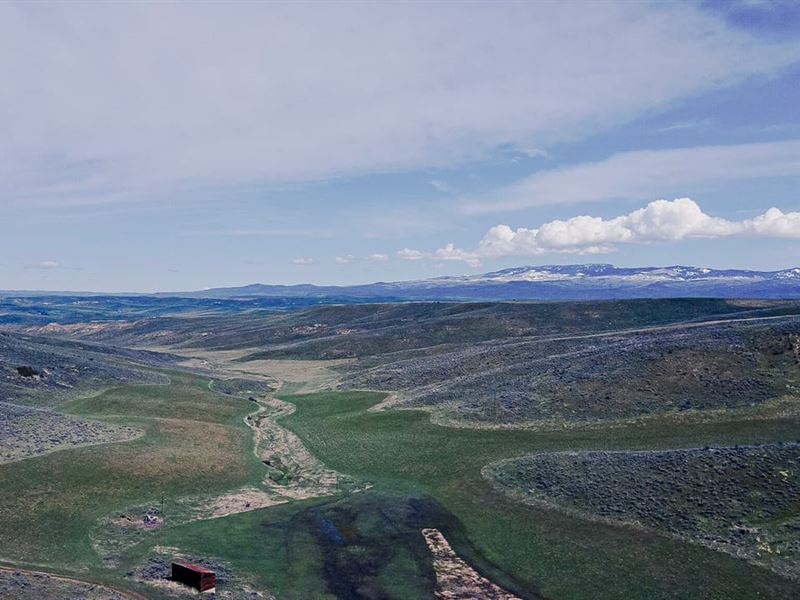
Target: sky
{"points": [[156, 146]]}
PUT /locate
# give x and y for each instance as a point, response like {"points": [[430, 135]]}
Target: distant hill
{"points": [[549, 282]]}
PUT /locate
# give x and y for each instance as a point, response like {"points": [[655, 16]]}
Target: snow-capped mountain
{"points": [[553, 282], [610, 273], [540, 282]]}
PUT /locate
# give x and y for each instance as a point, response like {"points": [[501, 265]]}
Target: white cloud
{"points": [[641, 174], [409, 254], [45, 264], [118, 100], [450, 252], [683, 125], [659, 221], [775, 223], [344, 260], [379, 257], [303, 260]]}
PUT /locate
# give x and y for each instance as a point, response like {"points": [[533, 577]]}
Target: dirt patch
{"points": [[243, 500], [455, 579]]}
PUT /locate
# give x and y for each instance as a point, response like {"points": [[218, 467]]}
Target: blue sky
{"points": [[180, 146]]}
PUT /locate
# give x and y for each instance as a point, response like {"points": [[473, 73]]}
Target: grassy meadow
{"points": [[561, 556], [194, 443], [533, 552], [368, 543]]}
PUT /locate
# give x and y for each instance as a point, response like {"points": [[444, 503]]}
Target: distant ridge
{"points": [[542, 282], [549, 282]]}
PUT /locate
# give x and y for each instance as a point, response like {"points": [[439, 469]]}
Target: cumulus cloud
{"points": [[409, 254], [379, 257], [290, 91], [775, 223], [344, 260], [303, 260], [659, 221], [450, 252]]}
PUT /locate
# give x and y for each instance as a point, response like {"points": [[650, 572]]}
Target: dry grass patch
{"points": [[194, 446]]}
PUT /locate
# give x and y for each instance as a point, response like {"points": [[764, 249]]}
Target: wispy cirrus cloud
{"points": [[303, 260], [659, 221], [369, 87], [685, 125], [641, 174], [266, 232]]}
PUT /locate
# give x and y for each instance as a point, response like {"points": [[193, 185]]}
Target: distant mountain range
{"points": [[546, 282], [549, 282]]}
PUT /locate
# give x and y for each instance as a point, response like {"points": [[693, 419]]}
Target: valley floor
{"points": [[289, 488]]}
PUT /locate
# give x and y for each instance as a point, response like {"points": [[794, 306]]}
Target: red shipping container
{"points": [[194, 576]]}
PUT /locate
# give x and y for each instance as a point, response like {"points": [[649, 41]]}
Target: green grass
{"points": [[259, 544], [187, 397], [278, 549], [546, 550], [194, 444]]}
